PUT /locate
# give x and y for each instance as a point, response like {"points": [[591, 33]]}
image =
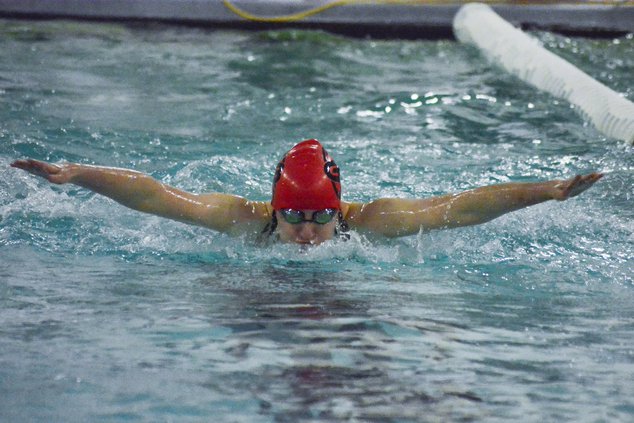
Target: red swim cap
{"points": [[306, 179]]}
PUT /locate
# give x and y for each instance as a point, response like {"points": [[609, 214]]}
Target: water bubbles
{"points": [[287, 111], [369, 114], [488, 98]]}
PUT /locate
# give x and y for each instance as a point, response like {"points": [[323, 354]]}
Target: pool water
{"points": [[110, 315]]}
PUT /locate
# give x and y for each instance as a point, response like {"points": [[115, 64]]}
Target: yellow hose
{"points": [[337, 3], [302, 15]]}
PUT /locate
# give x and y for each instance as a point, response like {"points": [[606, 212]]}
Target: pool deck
{"points": [[379, 18]]}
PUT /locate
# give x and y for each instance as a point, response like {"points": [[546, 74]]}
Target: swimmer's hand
{"points": [[563, 190], [57, 174]]}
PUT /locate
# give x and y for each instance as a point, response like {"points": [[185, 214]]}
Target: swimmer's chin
{"points": [[304, 245], [301, 242]]}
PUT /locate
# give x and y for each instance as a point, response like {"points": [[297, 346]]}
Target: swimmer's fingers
{"points": [[575, 186], [53, 173]]}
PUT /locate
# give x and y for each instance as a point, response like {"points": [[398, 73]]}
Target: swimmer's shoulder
{"points": [[249, 217], [257, 211], [351, 210]]}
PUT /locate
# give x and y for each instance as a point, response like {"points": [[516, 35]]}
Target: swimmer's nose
{"points": [[306, 233]]}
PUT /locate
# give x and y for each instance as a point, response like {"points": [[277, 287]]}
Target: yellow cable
{"points": [[275, 19], [319, 9], [336, 3]]}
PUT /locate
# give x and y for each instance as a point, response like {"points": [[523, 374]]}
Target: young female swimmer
{"points": [[306, 207]]}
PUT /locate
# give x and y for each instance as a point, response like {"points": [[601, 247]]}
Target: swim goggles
{"points": [[321, 217]]}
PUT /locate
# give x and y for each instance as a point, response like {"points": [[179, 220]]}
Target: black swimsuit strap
{"points": [[342, 229]]}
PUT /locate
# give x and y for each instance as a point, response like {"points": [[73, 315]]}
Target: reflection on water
{"points": [[314, 348]]}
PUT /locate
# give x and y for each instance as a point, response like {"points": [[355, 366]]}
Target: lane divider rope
{"points": [[523, 56]]}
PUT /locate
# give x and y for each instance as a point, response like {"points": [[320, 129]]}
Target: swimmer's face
{"points": [[306, 232]]}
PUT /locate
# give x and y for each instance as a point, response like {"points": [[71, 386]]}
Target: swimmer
{"points": [[306, 206]]}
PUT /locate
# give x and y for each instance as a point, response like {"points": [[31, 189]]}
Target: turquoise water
{"points": [[111, 315]]}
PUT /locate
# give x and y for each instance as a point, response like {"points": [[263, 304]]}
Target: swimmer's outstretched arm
{"points": [[400, 217], [221, 212]]}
